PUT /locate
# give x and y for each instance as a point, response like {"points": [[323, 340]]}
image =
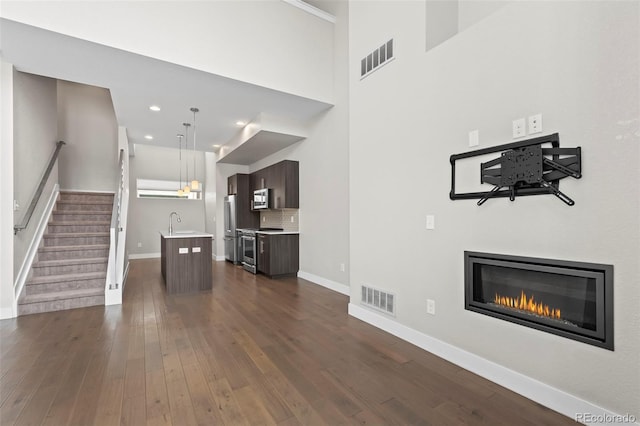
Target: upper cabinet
{"points": [[232, 185], [283, 180]]}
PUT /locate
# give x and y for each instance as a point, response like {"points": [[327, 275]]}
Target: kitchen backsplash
{"points": [[286, 219]]}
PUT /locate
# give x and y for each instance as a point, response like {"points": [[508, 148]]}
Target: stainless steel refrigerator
{"points": [[230, 235]]}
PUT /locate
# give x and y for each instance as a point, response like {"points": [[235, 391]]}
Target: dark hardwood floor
{"points": [[251, 351]]}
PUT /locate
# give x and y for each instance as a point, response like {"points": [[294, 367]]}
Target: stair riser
{"points": [[56, 229], [72, 254], [86, 197], [41, 271], [53, 240], [106, 208], [31, 289], [62, 217], [59, 305]]}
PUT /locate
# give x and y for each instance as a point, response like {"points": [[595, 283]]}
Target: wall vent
{"points": [[378, 299], [374, 60]]}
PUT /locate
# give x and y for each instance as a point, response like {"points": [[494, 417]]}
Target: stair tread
{"points": [[71, 248], [76, 234], [61, 295], [105, 202], [75, 261], [80, 223], [106, 194], [81, 212], [66, 277]]}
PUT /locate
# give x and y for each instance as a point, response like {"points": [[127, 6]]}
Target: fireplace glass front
{"points": [[570, 299]]}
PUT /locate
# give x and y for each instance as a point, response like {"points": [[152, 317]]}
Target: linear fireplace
{"points": [[570, 299]]}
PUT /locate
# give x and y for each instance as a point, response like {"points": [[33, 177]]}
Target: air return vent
{"points": [[374, 60], [378, 299]]}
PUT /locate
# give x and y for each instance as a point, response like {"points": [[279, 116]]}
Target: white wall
{"points": [[148, 216], [6, 191], [324, 174], [577, 64], [87, 123], [35, 133], [268, 43]]}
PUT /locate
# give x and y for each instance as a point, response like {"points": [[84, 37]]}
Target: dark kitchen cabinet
{"points": [[283, 180], [232, 185], [278, 254], [238, 185]]}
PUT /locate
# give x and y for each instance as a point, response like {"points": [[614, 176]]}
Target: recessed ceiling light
{"points": [[148, 137], [154, 108], [216, 146], [240, 123]]}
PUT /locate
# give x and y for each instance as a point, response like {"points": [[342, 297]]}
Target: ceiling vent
{"points": [[379, 300], [374, 60]]}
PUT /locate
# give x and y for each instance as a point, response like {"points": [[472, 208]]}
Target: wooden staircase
{"points": [[70, 269]]}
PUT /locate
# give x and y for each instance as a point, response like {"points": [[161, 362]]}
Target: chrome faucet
{"points": [[171, 221]]}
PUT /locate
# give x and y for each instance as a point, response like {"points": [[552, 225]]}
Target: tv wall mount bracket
{"points": [[523, 168]]}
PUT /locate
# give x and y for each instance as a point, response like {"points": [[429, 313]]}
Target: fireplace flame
{"points": [[527, 304]]}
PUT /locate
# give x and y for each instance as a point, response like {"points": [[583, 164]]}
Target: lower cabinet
{"points": [[278, 254]]}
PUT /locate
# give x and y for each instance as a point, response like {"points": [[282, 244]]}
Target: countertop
{"points": [[185, 234]]}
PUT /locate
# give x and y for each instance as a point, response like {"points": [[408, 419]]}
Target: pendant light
{"points": [[180, 190], [194, 183], [186, 188]]}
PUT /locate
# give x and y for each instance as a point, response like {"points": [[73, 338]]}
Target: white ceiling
{"points": [[136, 82]]}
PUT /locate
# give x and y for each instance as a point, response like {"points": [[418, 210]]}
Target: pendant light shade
{"points": [[194, 183]]}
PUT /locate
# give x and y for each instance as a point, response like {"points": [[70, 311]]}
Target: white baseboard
{"points": [[144, 256], [219, 258], [331, 285], [23, 273], [550, 397]]}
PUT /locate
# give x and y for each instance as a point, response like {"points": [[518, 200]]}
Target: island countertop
{"points": [[185, 234]]}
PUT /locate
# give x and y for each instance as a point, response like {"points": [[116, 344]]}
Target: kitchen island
{"points": [[186, 261]]}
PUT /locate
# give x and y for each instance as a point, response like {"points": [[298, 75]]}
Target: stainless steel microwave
{"points": [[261, 199]]}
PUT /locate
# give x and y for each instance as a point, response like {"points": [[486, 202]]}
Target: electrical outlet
{"points": [[535, 123], [264, 218], [474, 138], [519, 129], [16, 206], [431, 222], [292, 219], [139, 244], [342, 267], [431, 306]]}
